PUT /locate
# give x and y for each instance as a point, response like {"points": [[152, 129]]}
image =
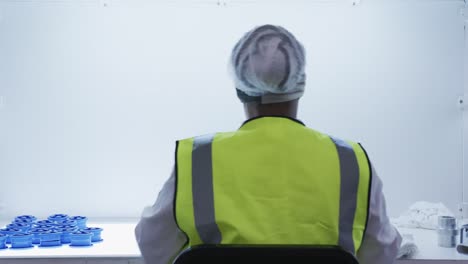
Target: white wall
{"points": [[465, 115], [94, 96]]}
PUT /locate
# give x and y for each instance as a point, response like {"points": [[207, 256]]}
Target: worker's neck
{"points": [[286, 109]]}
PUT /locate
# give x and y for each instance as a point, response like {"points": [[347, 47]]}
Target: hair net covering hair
{"points": [[269, 63]]}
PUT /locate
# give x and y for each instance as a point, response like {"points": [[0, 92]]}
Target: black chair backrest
{"points": [[234, 254]]}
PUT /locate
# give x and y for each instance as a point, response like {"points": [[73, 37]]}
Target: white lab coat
{"points": [[160, 240]]}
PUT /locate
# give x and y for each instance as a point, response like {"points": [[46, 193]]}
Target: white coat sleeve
{"points": [[381, 239], [157, 234]]}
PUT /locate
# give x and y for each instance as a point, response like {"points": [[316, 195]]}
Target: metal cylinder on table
{"points": [[447, 231]]}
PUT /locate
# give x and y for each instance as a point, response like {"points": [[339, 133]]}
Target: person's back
{"points": [[273, 181]]}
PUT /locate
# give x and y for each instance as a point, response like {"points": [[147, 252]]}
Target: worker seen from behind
{"points": [[274, 180]]}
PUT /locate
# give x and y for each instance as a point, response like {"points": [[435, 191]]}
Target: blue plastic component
{"points": [[21, 226], [67, 223], [29, 218], [58, 217], [21, 240], [22, 221], [51, 238], [68, 226], [66, 232], [44, 226], [81, 239], [36, 232], [44, 222], [80, 220], [9, 232], [3, 239], [96, 233]]}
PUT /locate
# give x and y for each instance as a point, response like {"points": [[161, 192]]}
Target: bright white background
{"points": [[94, 93], [465, 116]]}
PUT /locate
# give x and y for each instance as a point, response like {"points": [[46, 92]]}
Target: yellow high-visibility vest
{"points": [[274, 181]]}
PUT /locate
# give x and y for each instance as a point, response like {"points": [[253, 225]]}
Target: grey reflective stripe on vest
{"points": [[349, 171], [202, 190]]}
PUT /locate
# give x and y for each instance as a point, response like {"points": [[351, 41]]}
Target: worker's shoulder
{"points": [[337, 140], [208, 137]]}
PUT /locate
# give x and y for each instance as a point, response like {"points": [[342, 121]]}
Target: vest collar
{"points": [[282, 117]]}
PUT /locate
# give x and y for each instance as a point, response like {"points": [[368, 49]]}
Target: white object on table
{"points": [[422, 215]]}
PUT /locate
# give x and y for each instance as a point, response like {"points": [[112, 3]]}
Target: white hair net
{"points": [[268, 66]]}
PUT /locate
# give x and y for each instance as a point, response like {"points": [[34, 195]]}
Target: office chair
{"points": [[255, 254]]}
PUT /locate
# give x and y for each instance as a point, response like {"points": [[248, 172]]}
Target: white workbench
{"points": [[119, 247], [429, 252]]}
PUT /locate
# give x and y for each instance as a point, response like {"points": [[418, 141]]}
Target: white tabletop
{"points": [[119, 246], [426, 240]]}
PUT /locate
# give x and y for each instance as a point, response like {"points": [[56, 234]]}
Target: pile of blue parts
{"points": [[26, 231]]}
